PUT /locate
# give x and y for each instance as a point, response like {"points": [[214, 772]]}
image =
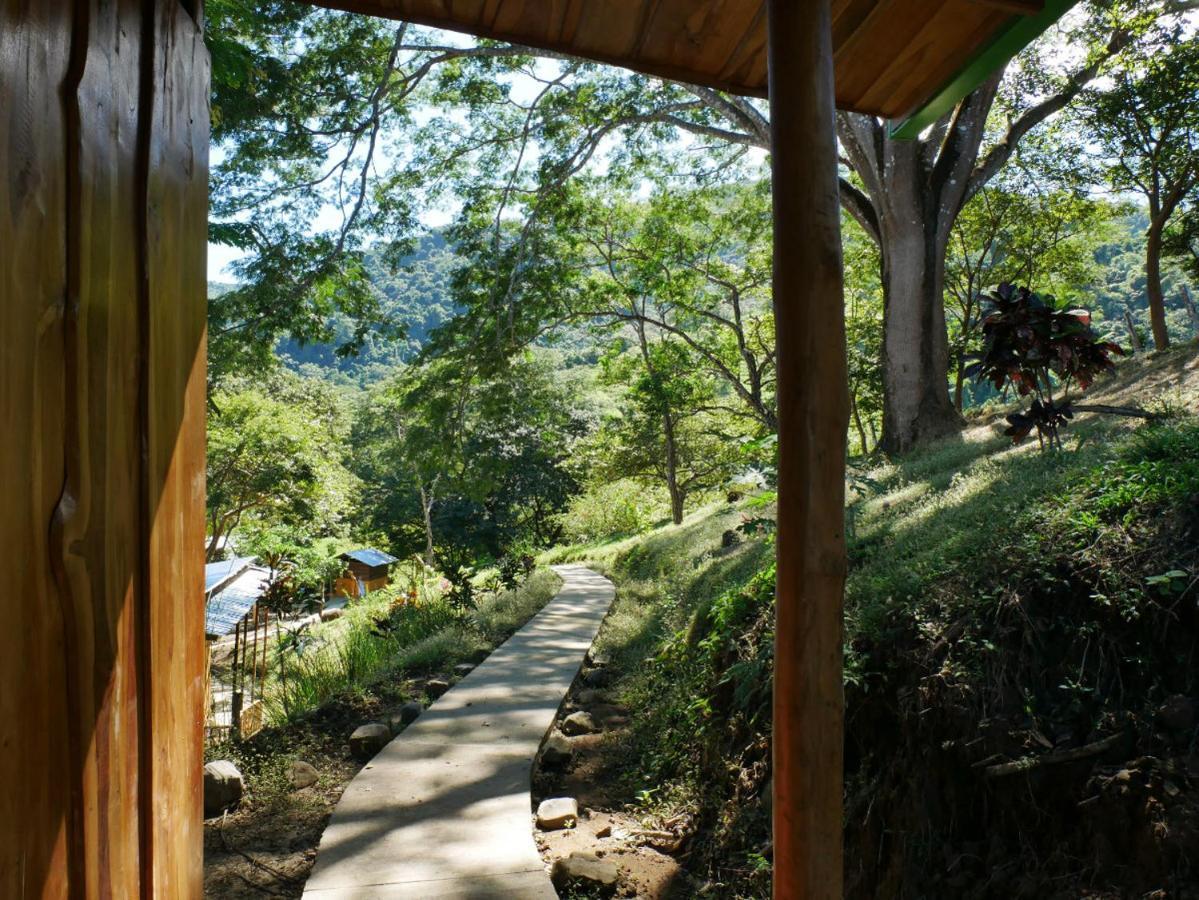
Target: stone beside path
{"points": [[444, 810]]}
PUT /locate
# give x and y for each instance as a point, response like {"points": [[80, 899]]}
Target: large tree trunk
{"points": [[1153, 283], [909, 195], [916, 404]]}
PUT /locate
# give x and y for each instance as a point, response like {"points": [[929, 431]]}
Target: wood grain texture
{"points": [[891, 55], [176, 282], [102, 243], [813, 407], [98, 520], [34, 809]]}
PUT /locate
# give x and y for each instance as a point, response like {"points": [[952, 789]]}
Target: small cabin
{"points": [[366, 570], [236, 630]]}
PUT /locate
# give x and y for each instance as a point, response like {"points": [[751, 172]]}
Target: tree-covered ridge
{"points": [[414, 296]]}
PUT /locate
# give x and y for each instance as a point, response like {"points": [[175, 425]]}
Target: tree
{"points": [[668, 432], [694, 266], [905, 194], [272, 462], [500, 149], [309, 182], [466, 465], [863, 333], [1147, 126]]}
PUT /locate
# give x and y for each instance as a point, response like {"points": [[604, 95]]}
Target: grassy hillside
{"points": [[1021, 689]]}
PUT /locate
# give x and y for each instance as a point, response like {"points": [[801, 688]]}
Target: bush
{"points": [[622, 507]]}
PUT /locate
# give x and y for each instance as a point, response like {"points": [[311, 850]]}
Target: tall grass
{"points": [[375, 640]]}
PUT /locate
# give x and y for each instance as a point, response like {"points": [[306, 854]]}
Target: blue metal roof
{"points": [[370, 557], [229, 605], [218, 572]]}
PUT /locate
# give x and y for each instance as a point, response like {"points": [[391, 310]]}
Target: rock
{"points": [[410, 712], [369, 739], [332, 615], [557, 750], [223, 787], [584, 869], [730, 538], [587, 697], [596, 678], [734, 496], [479, 655], [604, 831], [436, 688], [557, 812], [579, 723], [463, 669], [1177, 714], [598, 658], [303, 774]]}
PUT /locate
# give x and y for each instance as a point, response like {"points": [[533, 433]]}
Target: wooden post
{"points": [[103, 146], [813, 402]]}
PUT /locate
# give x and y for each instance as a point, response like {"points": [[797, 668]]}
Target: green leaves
{"points": [[275, 465], [483, 453]]}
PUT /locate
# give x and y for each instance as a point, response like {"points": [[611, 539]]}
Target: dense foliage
{"points": [[1029, 343]]}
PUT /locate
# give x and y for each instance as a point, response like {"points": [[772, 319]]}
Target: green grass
{"points": [[946, 526], [972, 546]]}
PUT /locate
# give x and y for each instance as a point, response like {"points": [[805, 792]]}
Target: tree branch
{"points": [[1035, 115]]}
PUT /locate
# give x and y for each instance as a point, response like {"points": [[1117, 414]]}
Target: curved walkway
{"points": [[443, 811]]}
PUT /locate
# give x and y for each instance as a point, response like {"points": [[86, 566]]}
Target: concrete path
{"points": [[444, 810]]}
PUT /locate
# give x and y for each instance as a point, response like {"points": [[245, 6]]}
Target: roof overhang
{"points": [[903, 60]]}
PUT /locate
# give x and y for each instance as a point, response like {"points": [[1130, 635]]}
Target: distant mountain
{"points": [[416, 294]]}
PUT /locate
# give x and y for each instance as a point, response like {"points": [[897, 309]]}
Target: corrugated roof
{"points": [[217, 573], [229, 605], [369, 556]]}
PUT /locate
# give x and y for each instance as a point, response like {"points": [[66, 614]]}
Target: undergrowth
{"points": [[1002, 606], [377, 639]]}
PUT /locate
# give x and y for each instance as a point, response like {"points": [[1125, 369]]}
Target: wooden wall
{"points": [[103, 187]]}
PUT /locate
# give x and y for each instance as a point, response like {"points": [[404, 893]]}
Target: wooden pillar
{"points": [[813, 422], [103, 207]]}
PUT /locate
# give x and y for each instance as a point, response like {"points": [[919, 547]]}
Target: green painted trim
{"points": [[1006, 43]]}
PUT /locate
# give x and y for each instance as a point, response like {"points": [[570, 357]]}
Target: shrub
{"points": [[351, 653], [623, 507], [1026, 341]]}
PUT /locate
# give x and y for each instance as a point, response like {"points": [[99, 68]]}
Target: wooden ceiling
{"points": [[891, 55]]}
